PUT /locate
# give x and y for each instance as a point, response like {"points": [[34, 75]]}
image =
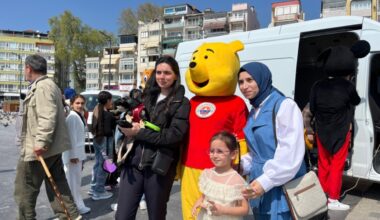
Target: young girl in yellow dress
{"points": [[221, 185]]}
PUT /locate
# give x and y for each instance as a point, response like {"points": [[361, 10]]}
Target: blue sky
{"points": [[34, 14]]}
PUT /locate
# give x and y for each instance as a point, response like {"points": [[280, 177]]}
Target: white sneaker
{"points": [[142, 205], [114, 206], [84, 210], [334, 204], [100, 196]]}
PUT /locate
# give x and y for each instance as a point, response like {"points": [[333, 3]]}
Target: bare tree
{"points": [[129, 18]]}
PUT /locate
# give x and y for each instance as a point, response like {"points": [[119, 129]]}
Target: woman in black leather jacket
{"points": [[151, 166]]}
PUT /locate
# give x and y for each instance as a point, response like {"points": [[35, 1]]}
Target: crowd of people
{"points": [[273, 131]]}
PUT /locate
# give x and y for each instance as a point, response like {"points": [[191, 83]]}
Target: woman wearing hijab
{"points": [[274, 134]]}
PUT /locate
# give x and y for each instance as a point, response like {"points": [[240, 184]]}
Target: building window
{"points": [[169, 10], [180, 9], [153, 58], [154, 33], [144, 34]]}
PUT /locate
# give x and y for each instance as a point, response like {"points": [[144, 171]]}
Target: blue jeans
{"points": [[99, 176]]}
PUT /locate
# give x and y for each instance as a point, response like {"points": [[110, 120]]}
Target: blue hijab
{"points": [[263, 77]]}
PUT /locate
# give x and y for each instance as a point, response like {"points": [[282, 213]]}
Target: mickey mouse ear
{"points": [[361, 48]]}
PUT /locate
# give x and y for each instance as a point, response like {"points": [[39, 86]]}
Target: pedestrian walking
{"points": [[44, 133], [103, 126]]}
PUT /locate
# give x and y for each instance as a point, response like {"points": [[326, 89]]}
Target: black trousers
{"points": [[134, 183]]}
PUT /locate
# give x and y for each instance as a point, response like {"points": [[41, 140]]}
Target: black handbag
{"points": [[161, 163]]}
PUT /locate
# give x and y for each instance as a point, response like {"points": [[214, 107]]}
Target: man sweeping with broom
{"points": [[43, 137]]}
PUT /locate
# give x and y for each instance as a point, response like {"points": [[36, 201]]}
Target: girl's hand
{"points": [[131, 132], [197, 205], [215, 208]]}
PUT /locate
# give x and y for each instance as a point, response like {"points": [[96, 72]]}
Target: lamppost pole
{"points": [[20, 76], [109, 67], [109, 64]]}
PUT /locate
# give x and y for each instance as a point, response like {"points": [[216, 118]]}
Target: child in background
{"points": [[221, 186], [73, 158]]}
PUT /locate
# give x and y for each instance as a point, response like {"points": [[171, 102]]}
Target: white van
{"points": [[291, 51]]}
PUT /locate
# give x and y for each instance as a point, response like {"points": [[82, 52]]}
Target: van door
{"points": [[374, 106], [279, 52]]}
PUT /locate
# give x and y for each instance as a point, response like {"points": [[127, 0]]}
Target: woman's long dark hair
{"points": [[152, 90], [103, 97]]}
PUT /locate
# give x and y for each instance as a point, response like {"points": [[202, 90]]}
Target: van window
{"points": [[308, 68]]}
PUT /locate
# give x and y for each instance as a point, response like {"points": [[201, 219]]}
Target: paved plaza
{"points": [[364, 201]]}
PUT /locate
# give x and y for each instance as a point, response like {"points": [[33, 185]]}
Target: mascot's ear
{"points": [[236, 45], [360, 49]]}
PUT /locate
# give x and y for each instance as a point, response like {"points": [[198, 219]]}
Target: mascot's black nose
{"points": [[192, 64]]}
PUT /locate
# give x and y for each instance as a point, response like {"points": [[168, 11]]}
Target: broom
{"points": [[55, 188]]}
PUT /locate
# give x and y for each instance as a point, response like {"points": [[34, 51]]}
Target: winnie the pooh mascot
{"points": [[212, 77]]}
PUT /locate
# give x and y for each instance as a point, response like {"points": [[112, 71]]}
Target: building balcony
{"points": [[237, 19], [192, 37], [172, 40], [174, 25], [194, 24], [127, 81], [215, 25], [169, 51], [153, 51], [288, 17]]}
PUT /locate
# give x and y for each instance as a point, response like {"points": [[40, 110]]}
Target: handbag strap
{"points": [[274, 113]]}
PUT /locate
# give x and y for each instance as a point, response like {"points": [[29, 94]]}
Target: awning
{"points": [[152, 44], [106, 60], [214, 25]]}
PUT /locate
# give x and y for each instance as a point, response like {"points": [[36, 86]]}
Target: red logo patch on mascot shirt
{"points": [[205, 109]]}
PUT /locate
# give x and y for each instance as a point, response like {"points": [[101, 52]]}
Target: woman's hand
{"points": [[131, 132], [253, 190]]}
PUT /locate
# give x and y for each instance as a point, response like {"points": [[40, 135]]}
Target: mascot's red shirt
{"points": [[208, 116]]}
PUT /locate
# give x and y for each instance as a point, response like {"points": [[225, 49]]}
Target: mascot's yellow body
{"points": [[212, 77]]}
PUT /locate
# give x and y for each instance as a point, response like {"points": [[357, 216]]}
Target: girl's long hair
{"points": [[103, 97]]}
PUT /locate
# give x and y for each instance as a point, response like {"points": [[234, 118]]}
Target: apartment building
{"points": [[332, 8], [93, 74], [15, 46], [109, 64], [128, 62], [286, 12], [243, 18], [174, 26], [193, 28], [215, 23], [149, 45]]}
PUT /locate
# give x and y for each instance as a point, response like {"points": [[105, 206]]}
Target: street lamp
{"points": [[109, 64]]}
